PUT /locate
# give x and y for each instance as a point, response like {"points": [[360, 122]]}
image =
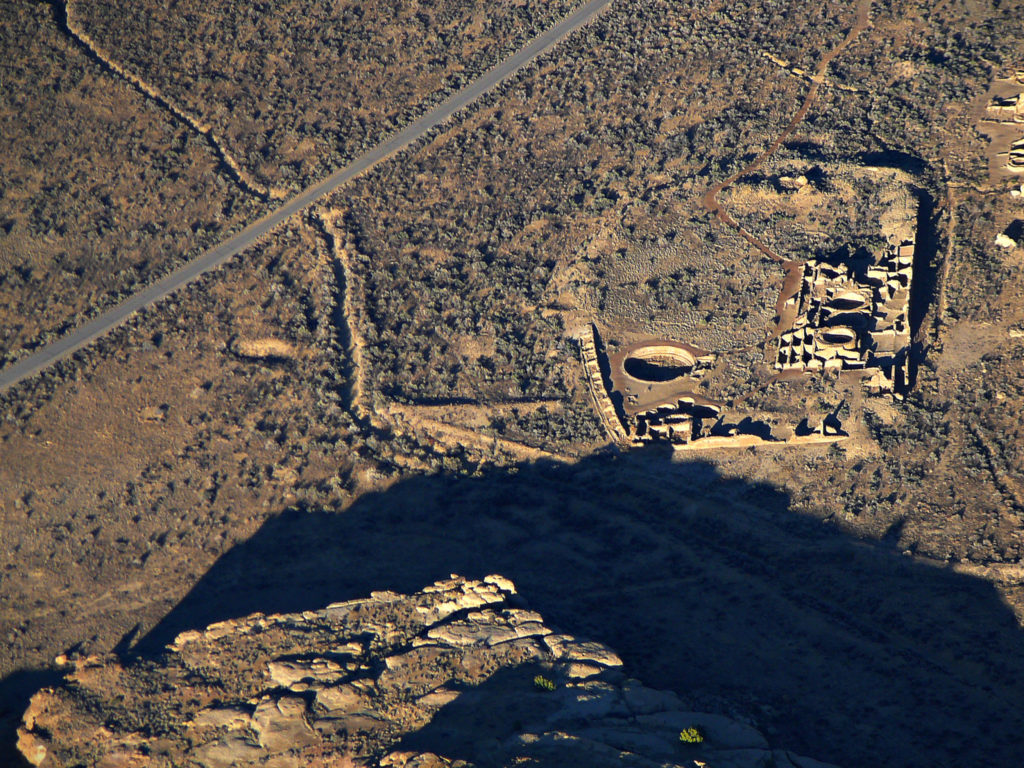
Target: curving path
{"points": [[67, 24], [92, 330], [710, 198]]}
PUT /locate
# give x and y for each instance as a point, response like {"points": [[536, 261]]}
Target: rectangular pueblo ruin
{"points": [[850, 317]]}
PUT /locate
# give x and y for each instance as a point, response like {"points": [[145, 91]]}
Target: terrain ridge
{"points": [[92, 330], [67, 24]]}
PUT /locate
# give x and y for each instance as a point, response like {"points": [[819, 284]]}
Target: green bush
{"points": [[691, 735], [542, 683]]}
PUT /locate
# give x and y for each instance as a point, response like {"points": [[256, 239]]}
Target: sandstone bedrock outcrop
{"points": [[441, 678]]}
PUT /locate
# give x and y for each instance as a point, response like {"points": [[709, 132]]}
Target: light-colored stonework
{"points": [[650, 396], [1003, 123], [657, 384], [846, 316], [441, 678], [850, 318], [592, 367], [1006, 109]]}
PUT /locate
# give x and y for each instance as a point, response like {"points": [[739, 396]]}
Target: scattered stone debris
{"points": [[793, 183], [440, 678], [153, 414], [850, 318]]}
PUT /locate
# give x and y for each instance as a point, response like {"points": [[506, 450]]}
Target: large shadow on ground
{"points": [[844, 650], [15, 691]]}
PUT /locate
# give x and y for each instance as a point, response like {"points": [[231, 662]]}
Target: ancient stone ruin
{"points": [[656, 383], [1003, 122], [610, 417], [841, 316], [844, 317], [1006, 109], [647, 393]]}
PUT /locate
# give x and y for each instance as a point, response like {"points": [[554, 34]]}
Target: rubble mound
{"points": [[459, 674]]}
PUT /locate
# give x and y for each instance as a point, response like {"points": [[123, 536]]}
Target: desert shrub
{"points": [[542, 683], [691, 735]]}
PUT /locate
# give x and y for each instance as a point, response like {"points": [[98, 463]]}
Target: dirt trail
{"points": [[481, 409], [451, 434], [85, 334], [62, 11], [395, 416], [710, 198], [1004, 482], [797, 72]]}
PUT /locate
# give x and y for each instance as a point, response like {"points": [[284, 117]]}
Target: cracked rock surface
{"points": [[442, 677]]}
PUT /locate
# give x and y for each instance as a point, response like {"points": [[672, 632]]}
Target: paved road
{"points": [[92, 330]]}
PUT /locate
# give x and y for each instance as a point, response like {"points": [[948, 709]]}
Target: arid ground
{"points": [[388, 389]]}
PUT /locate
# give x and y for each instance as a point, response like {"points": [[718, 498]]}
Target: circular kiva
{"points": [[848, 301], [836, 336], [657, 363]]}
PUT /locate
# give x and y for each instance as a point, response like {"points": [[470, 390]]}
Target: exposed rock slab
{"points": [[438, 679]]}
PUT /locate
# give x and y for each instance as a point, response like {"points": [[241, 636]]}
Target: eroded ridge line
{"points": [[449, 434], [710, 198], [83, 335], [349, 282], [951, 205], [62, 10]]}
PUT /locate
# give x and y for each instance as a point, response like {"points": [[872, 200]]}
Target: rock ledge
{"points": [[441, 678]]}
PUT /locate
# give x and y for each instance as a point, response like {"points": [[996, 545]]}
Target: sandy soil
{"points": [[861, 603]]}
